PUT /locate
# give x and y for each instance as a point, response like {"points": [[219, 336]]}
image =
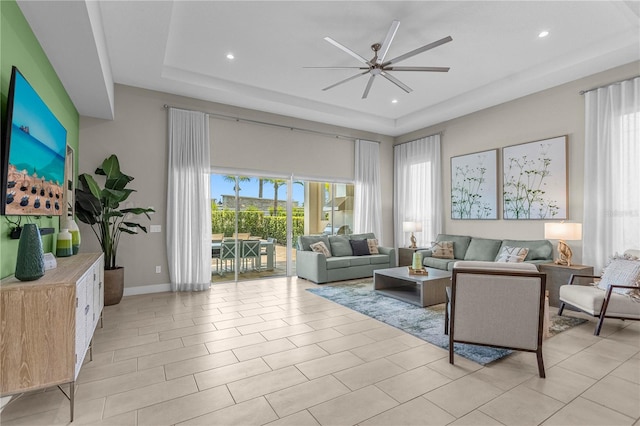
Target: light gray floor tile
{"points": [[254, 412], [305, 395], [418, 411], [353, 408], [262, 384], [582, 412], [521, 406]]}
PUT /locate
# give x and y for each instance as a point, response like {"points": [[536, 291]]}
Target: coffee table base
{"points": [[417, 290]]}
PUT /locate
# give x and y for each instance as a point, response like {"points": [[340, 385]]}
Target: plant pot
{"points": [[113, 286]]}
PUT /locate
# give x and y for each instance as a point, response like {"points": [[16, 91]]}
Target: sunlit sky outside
{"points": [[220, 187]]}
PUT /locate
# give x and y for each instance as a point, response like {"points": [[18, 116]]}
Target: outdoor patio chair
{"points": [[499, 305], [265, 252], [228, 251], [615, 295], [250, 252]]}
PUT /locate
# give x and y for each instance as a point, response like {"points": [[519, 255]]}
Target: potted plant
{"points": [[100, 208]]}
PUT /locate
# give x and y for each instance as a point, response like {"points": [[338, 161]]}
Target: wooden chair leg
{"points": [[603, 312], [540, 363], [560, 309]]}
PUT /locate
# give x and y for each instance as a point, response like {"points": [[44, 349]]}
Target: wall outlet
{"points": [[156, 228], [158, 269]]}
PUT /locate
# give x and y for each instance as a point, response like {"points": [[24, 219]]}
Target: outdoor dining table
{"points": [[263, 243]]}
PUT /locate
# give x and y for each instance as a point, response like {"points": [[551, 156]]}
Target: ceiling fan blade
{"points": [[397, 82], [387, 41], [432, 69], [369, 83], [339, 68], [418, 50], [345, 80], [346, 50]]}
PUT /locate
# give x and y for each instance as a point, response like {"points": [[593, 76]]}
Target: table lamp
{"points": [[561, 232], [412, 227]]}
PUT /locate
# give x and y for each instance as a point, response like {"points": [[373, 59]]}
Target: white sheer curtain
{"points": [[611, 172], [418, 190], [367, 208], [188, 201]]}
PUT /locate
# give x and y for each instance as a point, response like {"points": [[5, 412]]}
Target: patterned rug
{"points": [[425, 323]]}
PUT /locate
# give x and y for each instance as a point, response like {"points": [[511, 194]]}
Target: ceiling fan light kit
{"points": [[378, 66]]}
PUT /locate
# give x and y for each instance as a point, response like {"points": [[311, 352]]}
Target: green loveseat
{"points": [[342, 265], [486, 249]]}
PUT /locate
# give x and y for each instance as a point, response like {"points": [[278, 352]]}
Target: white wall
{"points": [[138, 136], [553, 112]]}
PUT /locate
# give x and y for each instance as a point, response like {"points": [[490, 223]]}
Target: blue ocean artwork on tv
{"points": [[37, 149]]}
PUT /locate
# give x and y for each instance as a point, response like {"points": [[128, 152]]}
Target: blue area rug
{"points": [[425, 323]]}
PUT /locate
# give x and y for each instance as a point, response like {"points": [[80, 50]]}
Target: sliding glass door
{"points": [[274, 211], [246, 210]]}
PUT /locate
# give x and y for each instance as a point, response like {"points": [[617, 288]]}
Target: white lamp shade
{"points": [[563, 231], [412, 226]]}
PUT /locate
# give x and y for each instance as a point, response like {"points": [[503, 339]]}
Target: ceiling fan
{"points": [[378, 66]]}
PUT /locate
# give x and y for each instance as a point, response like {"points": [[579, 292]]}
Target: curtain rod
{"points": [[264, 123], [582, 92], [421, 137]]}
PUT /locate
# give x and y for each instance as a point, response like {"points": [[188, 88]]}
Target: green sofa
{"points": [[342, 265], [486, 249]]}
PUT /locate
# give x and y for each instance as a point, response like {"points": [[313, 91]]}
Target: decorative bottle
{"points": [[30, 261], [75, 235], [63, 245]]}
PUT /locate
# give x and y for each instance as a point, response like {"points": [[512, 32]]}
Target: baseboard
{"points": [[147, 289]]}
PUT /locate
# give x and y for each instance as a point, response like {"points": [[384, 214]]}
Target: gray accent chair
{"points": [[497, 304], [601, 303], [342, 265]]}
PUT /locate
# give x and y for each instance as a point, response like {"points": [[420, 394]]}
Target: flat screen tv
{"points": [[34, 145]]}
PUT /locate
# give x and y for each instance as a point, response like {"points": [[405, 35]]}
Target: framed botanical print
{"points": [[535, 180], [474, 185]]}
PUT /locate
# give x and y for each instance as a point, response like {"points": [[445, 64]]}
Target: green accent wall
{"points": [[20, 47]]}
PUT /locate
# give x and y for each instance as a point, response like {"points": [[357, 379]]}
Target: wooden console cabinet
{"points": [[46, 326]]}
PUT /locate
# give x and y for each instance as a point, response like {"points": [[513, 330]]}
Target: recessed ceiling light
{"points": [[394, 101], [230, 56], [543, 34]]}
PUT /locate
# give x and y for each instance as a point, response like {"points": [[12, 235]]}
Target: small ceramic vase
{"points": [[30, 262]]}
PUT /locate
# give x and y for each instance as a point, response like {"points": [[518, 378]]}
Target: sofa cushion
{"points": [[340, 245], [434, 262], [538, 249], [305, 241], [359, 247], [320, 247], [373, 245], [359, 260], [483, 249], [338, 262], [378, 259], [364, 236], [442, 249], [512, 254], [460, 243], [347, 262]]}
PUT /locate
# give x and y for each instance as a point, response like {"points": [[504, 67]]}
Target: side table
{"points": [[558, 275], [405, 255]]}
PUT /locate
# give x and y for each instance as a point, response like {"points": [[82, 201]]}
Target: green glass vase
{"points": [[30, 262]]}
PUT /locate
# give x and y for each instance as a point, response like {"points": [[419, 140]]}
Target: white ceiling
{"points": [[180, 47]]}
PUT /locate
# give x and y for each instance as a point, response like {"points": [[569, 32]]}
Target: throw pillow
{"points": [[359, 247], [320, 247], [442, 250], [621, 270], [373, 246], [340, 246], [513, 254]]}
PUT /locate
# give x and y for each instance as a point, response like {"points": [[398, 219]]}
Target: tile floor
{"points": [[269, 352]]}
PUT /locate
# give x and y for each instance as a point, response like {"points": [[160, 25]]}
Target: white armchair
{"points": [[497, 304], [612, 296]]}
